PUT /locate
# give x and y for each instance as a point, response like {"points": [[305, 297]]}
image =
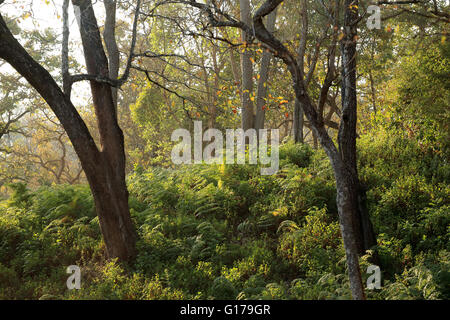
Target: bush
{"points": [[295, 153]]}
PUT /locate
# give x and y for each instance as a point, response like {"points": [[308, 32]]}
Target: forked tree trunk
{"points": [[346, 177], [107, 183]]}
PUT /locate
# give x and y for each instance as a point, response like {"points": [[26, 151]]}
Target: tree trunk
{"points": [[347, 208], [298, 122], [347, 132], [111, 203], [109, 35], [108, 184], [263, 76], [246, 71]]}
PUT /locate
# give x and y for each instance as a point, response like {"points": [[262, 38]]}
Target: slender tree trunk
{"points": [[363, 228], [347, 208], [341, 159], [263, 77], [298, 120], [247, 71], [214, 98], [347, 199]]}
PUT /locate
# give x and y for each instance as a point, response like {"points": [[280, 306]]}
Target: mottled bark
{"points": [[364, 233]]}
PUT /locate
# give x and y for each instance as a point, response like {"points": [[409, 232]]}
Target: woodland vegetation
{"points": [[87, 179]]}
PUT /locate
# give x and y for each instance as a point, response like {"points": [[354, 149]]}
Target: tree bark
{"points": [[346, 201], [263, 77], [109, 35], [246, 71], [365, 236], [298, 122], [298, 116]]}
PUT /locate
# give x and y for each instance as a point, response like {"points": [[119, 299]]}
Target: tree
{"points": [[104, 167], [343, 157]]}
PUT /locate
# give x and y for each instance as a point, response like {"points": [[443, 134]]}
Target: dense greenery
{"points": [[226, 232]]}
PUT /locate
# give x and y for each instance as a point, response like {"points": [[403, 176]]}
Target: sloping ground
{"points": [[226, 232]]}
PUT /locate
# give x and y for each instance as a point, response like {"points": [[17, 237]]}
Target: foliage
{"points": [[225, 232]]}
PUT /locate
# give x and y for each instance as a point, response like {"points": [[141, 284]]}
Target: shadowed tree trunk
{"points": [[363, 230]]}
